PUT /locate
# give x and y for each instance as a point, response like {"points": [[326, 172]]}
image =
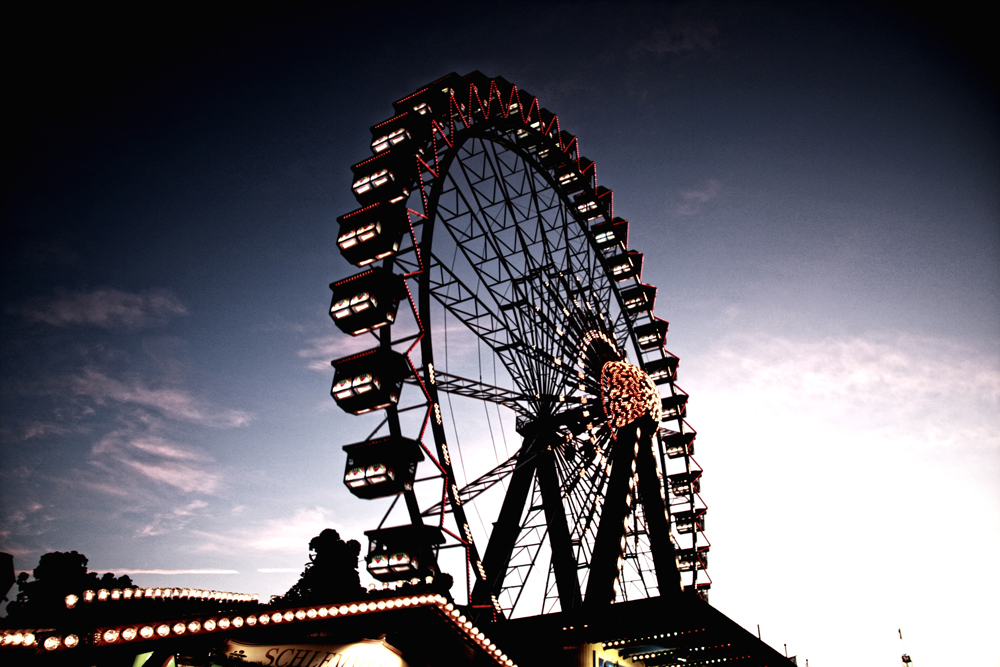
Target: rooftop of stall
{"points": [[422, 627], [654, 632]]}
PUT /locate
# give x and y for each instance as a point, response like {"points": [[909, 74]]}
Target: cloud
{"points": [[680, 37], [186, 478], [125, 453], [176, 519], [173, 403], [322, 350], [120, 571], [917, 391], [286, 535], [279, 570], [28, 519], [692, 200], [36, 429], [108, 308], [290, 534]]}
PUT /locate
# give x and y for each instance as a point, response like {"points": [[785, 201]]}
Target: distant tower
{"points": [[907, 661]]}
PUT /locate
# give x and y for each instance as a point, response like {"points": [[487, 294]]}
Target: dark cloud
{"points": [[108, 308]]}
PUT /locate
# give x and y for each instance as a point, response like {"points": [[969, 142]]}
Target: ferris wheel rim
{"points": [[492, 133]]}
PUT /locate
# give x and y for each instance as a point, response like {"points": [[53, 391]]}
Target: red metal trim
{"points": [[422, 90], [385, 122]]}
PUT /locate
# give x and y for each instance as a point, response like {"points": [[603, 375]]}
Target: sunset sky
{"points": [[816, 189]]}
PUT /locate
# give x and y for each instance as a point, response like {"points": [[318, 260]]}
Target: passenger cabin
{"points": [[692, 559], [674, 406], [366, 301], [653, 335], [589, 207], [369, 380], [690, 520], [381, 467], [432, 101], [639, 299], [606, 198], [610, 235], [403, 552], [403, 134], [384, 178], [685, 483], [662, 371], [677, 444], [372, 233], [626, 265], [568, 177]]}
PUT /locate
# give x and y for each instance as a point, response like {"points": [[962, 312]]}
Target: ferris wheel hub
{"points": [[628, 394]]}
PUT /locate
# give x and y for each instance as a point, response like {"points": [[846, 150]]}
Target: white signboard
{"points": [[365, 653]]}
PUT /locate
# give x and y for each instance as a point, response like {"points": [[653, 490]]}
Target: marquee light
{"points": [[104, 595]]}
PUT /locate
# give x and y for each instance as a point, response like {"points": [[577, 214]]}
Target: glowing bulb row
{"points": [[163, 593], [27, 638], [18, 638]]}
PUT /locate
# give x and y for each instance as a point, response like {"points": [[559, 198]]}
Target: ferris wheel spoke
{"points": [[450, 383], [482, 484], [524, 362], [530, 282]]}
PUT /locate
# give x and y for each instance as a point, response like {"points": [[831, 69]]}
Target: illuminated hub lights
{"points": [[403, 552], [366, 301], [627, 394], [382, 467], [368, 381]]}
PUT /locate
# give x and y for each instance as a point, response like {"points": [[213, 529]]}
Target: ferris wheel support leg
{"points": [[507, 527], [563, 560], [604, 563], [668, 579]]}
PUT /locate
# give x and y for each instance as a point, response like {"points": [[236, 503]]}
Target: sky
{"points": [[815, 189]]}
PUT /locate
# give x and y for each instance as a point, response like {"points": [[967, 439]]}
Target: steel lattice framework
{"points": [[480, 213]]}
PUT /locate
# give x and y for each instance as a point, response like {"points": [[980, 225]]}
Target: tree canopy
{"points": [[331, 575], [58, 574]]}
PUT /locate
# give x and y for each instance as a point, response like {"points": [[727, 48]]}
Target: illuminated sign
{"points": [[365, 653]]}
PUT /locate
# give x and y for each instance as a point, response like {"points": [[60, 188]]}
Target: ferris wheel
{"points": [[525, 408]]}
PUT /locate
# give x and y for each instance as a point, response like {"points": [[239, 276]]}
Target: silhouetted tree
{"points": [[331, 575], [58, 574]]}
